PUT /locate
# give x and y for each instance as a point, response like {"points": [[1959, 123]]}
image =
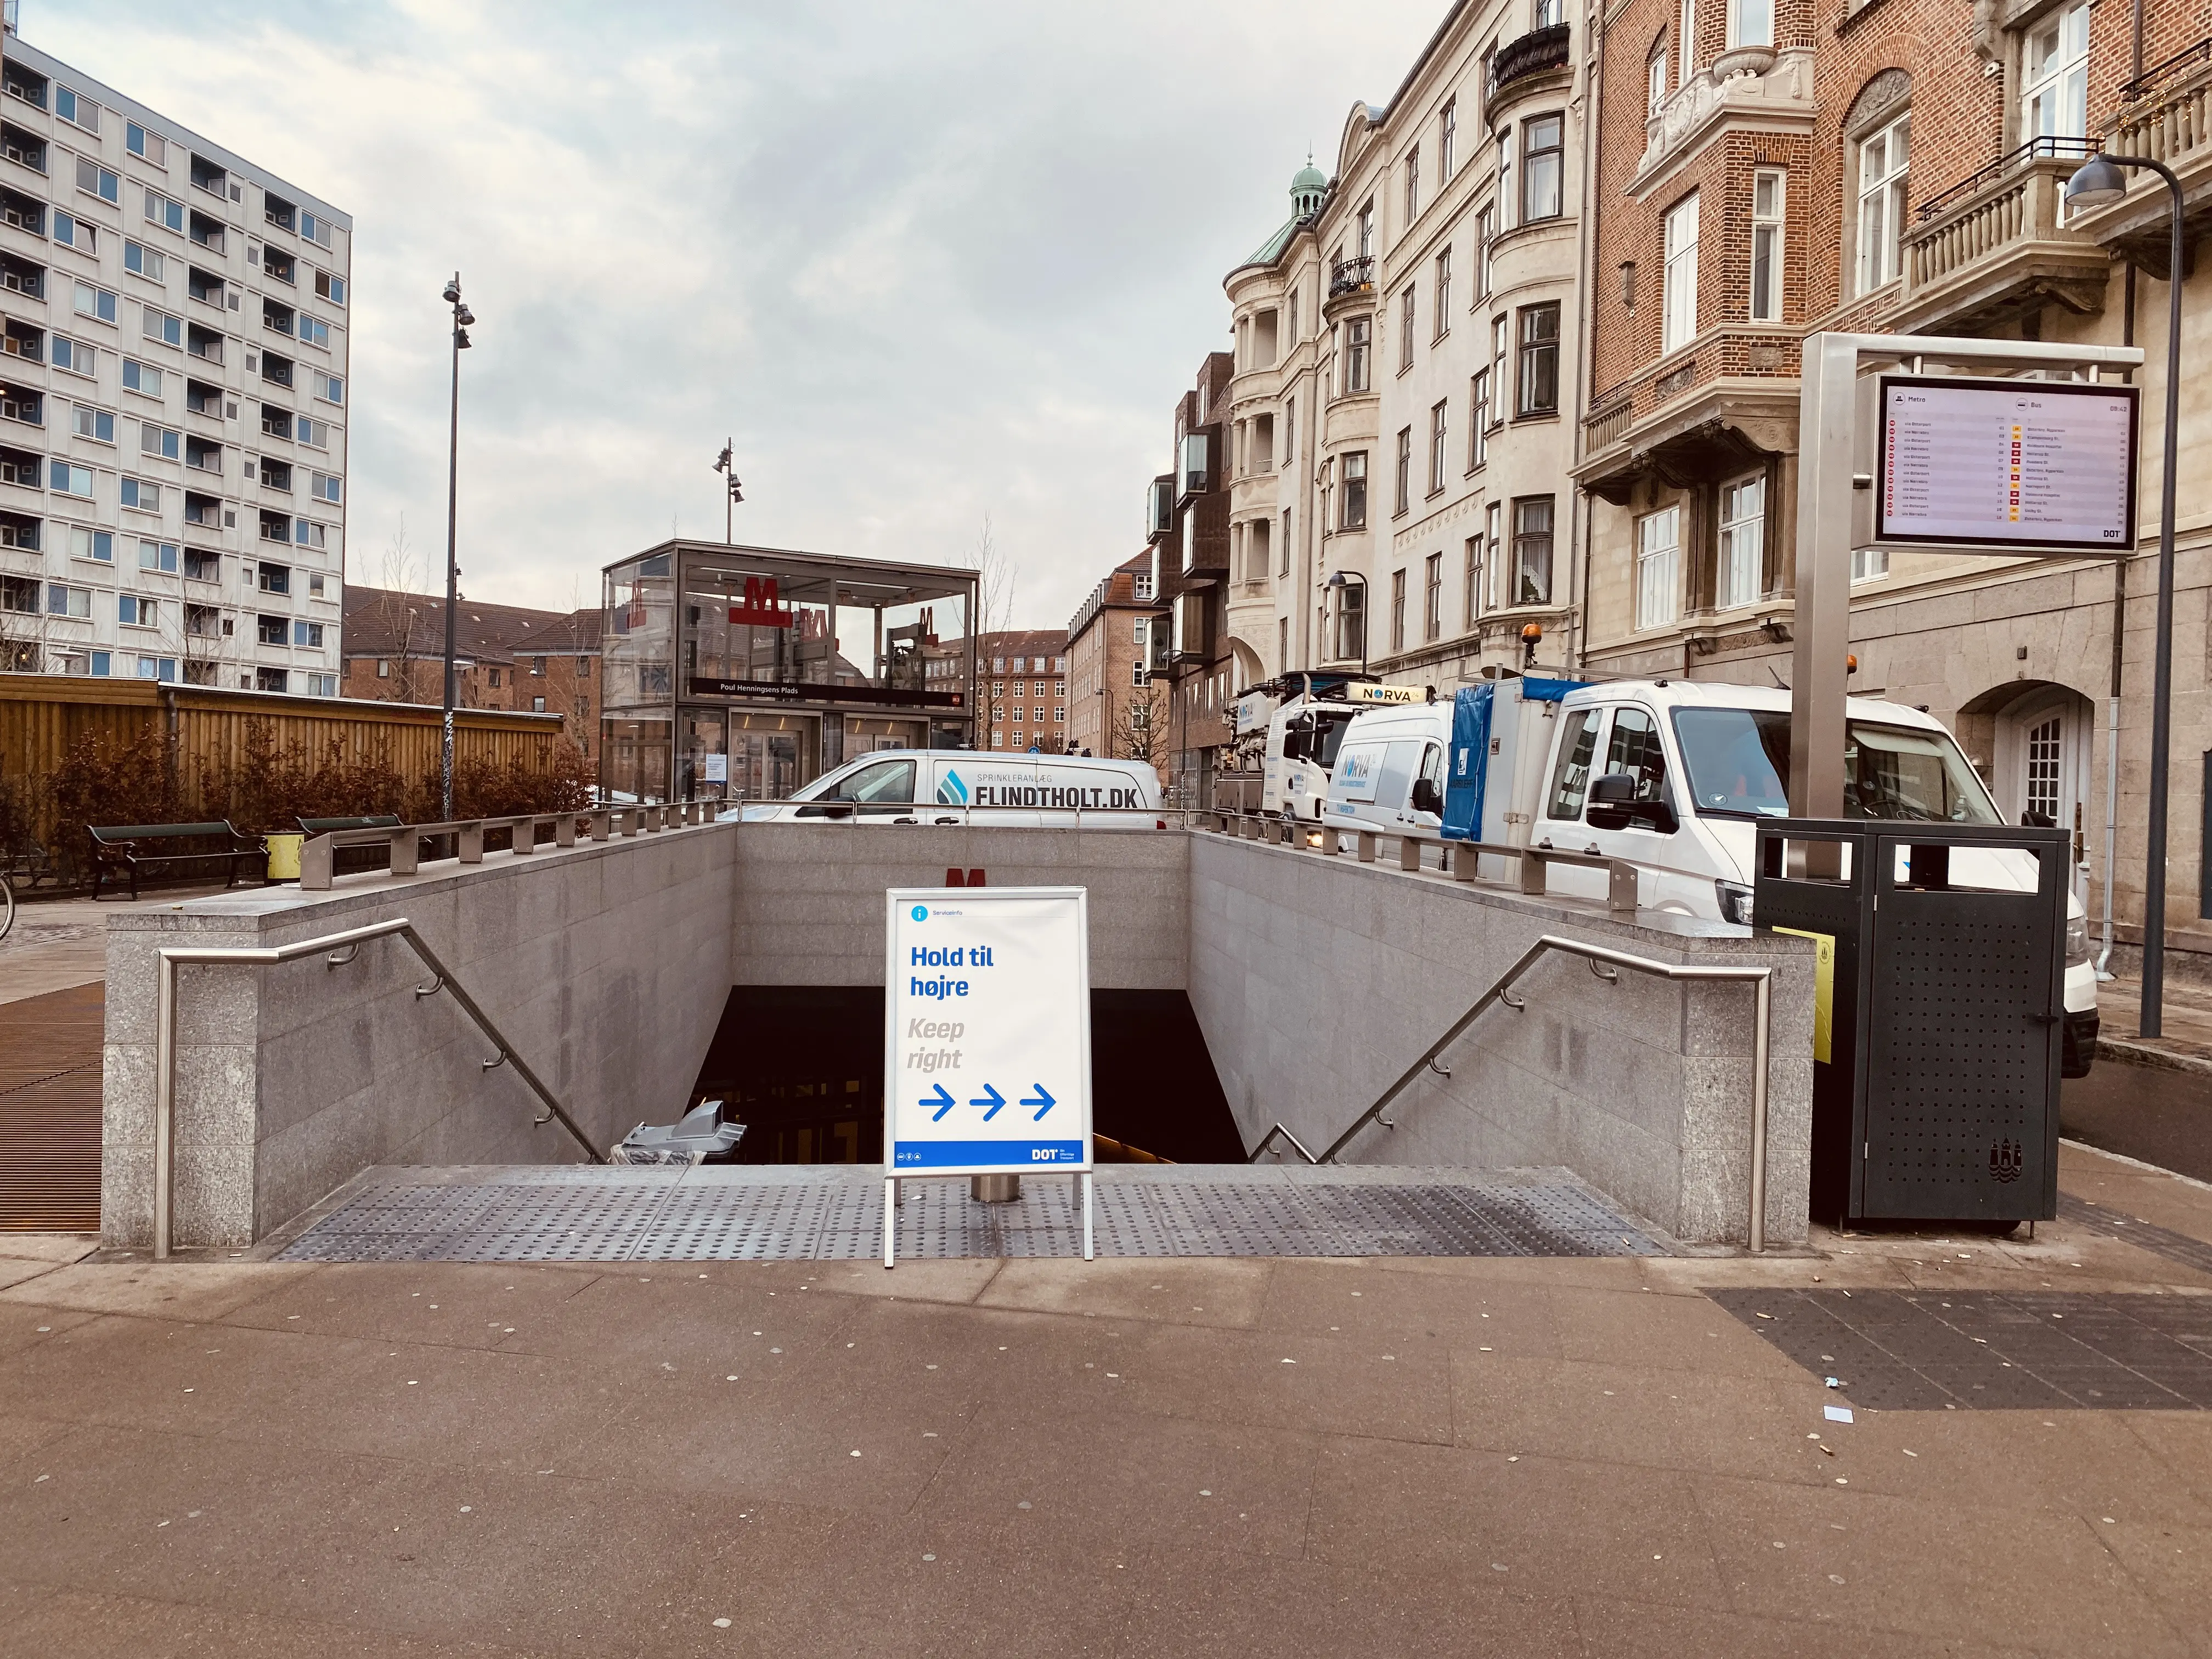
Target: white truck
{"points": [[1287, 731], [1672, 775]]}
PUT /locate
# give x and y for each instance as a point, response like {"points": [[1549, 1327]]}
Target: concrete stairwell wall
{"points": [[606, 965], [1318, 980]]}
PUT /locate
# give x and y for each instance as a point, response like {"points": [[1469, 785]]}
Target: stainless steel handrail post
{"points": [[1761, 980], [165, 1041]]}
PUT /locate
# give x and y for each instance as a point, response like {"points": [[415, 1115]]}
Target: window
{"points": [[1478, 419], [160, 440], [1497, 343], [1869, 563], [316, 230], [270, 630], [307, 533], [1547, 14], [1539, 359], [1437, 424], [1137, 671], [1743, 541], [1767, 204], [311, 633], [1655, 82], [72, 232], [1397, 611], [1290, 430], [1658, 567], [1532, 550], [1678, 317], [276, 578], [1412, 184], [161, 210], [536, 704], [315, 592], [329, 388], [1883, 176], [75, 355], [141, 378], [1442, 297], [1447, 141], [162, 556], [1355, 490], [159, 325], [330, 288], [1493, 564], [95, 302], [316, 434], [140, 496], [142, 261], [1432, 605], [275, 262], [1542, 142], [1504, 176], [201, 566], [94, 179], [68, 601], [1367, 230], [1577, 747], [271, 679], [1485, 233], [2055, 101], [134, 612], [92, 545], [1283, 551], [1406, 307], [148, 147], [323, 486], [1751, 22], [73, 107], [1689, 37], [19, 595], [1352, 620], [64, 479], [1403, 496], [1355, 354], [314, 331]]}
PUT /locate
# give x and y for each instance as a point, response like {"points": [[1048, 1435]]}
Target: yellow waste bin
{"points": [[283, 856]]}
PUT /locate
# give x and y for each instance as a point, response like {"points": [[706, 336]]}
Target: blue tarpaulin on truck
{"points": [[1469, 761]]}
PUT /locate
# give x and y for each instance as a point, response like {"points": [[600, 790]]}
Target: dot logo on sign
{"points": [[920, 913]]}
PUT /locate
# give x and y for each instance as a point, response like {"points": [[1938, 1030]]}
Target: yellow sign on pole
{"points": [[1824, 988]]}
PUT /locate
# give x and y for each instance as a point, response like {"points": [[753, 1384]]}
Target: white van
{"points": [[1674, 775], [934, 786]]}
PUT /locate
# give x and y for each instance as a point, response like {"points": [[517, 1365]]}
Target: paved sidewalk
{"points": [[1148, 1458], [2184, 1042]]}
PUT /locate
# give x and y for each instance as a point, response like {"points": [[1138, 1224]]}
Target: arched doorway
{"points": [[2043, 743]]}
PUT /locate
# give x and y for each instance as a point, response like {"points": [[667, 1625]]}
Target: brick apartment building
{"points": [[1186, 526], [1022, 676], [508, 656], [1115, 707], [1766, 171]]}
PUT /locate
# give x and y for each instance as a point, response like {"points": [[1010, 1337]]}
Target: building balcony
{"points": [[1351, 277], [1752, 88], [1997, 245], [2165, 114], [1538, 61]]}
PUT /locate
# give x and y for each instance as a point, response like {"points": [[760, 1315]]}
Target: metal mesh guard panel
{"points": [[626, 1216]]}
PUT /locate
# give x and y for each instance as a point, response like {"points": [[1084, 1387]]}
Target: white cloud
{"points": [[924, 263]]}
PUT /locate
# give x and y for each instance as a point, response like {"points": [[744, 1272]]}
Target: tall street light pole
{"points": [[2096, 183], [733, 493], [462, 317]]}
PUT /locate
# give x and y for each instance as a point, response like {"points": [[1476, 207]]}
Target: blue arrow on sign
{"points": [[992, 1098], [942, 1100], [1042, 1101]]}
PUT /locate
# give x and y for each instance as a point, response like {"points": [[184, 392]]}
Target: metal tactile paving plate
{"points": [[1979, 1350], [721, 1215]]}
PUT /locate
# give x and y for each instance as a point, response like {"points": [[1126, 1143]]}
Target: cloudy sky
{"points": [[924, 262]]}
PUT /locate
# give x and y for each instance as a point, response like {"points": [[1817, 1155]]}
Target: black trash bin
{"points": [[1937, 1049]]}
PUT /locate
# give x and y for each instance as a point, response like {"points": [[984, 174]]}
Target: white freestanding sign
{"points": [[987, 1038]]}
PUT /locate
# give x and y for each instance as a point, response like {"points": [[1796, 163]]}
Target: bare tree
{"points": [[995, 584], [404, 627], [1141, 725], [22, 625]]}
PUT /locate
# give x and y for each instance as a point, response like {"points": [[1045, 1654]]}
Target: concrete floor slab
{"points": [[188, 1290], [47, 1246]]}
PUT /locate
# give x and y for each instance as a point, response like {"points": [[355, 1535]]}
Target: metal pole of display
{"points": [[2095, 183]]}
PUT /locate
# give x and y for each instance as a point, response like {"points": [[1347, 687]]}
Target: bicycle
{"points": [[7, 904]]}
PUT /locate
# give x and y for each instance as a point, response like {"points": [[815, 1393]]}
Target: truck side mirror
{"points": [[1614, 789], [1427, 798]]}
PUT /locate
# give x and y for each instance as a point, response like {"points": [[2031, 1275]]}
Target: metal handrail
{"points": [[343, 947], [1599, 956], [318, 860]]}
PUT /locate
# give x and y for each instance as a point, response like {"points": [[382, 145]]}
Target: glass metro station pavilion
{"points": [[742, 673]]}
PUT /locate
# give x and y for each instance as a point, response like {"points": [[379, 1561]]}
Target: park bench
{"points": [[129, 848]]}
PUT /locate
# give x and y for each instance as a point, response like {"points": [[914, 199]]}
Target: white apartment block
{"points": [[1407, 348], [173, 399]]}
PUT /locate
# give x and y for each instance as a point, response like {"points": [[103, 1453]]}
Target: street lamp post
{"points": [[734, 491], [462, 317], [2094, 183], [1339, 581]]}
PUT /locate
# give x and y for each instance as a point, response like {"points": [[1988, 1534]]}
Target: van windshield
{"points": [[1738, 760]]}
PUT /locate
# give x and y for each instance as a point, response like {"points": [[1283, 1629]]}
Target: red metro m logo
{"points": [[761, 608]]}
